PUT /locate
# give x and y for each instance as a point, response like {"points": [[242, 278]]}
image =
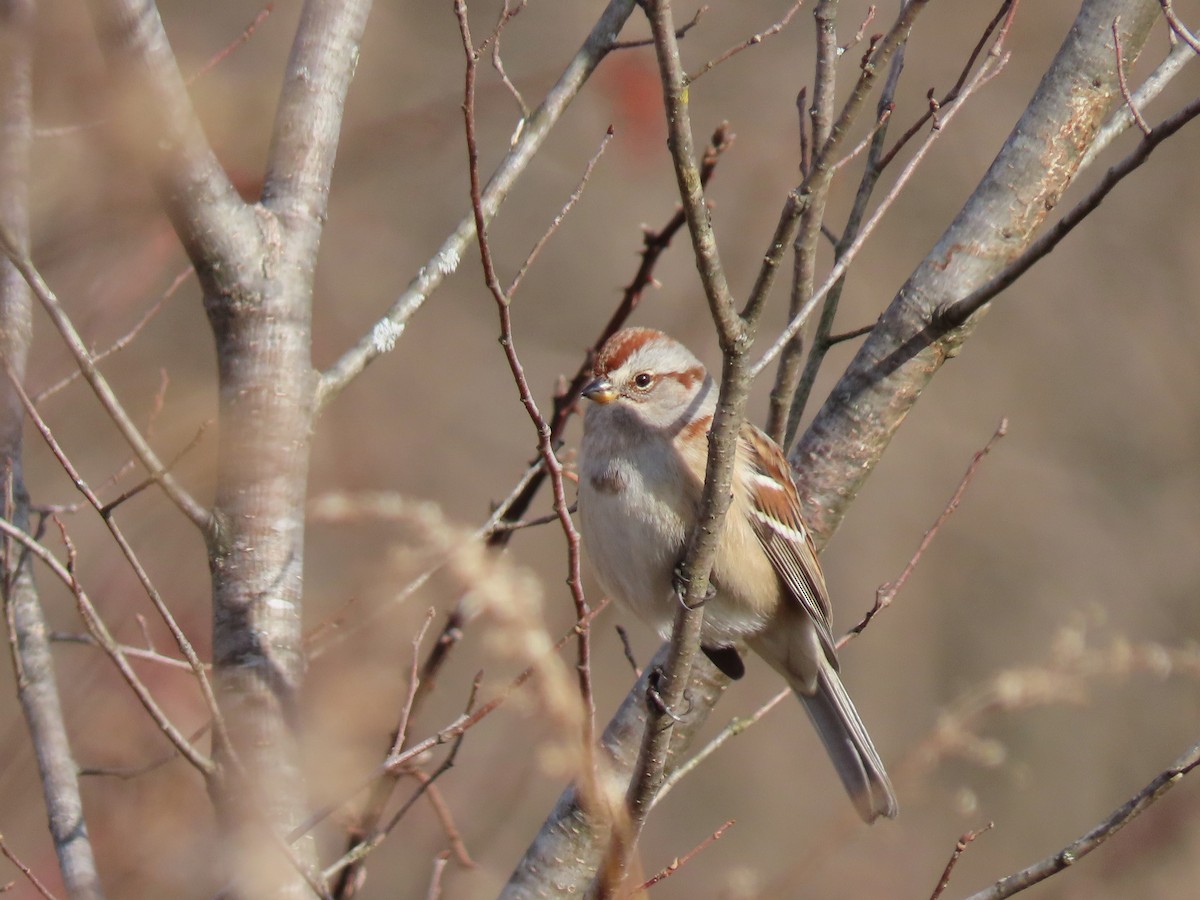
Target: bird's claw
{"points": [[680, 583], [654, 699]]}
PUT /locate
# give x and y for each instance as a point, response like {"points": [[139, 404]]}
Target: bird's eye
{"points": [[643, 380]]}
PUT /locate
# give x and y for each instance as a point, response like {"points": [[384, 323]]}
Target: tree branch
{"points": [[217, 228], [383, 335], [33, 664], [898, 360], [1089, 841]]}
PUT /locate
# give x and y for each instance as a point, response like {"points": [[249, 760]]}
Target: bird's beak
{"points": [[600, 390]]}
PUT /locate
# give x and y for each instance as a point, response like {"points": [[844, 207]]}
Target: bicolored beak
{"points": [[600, 390]]}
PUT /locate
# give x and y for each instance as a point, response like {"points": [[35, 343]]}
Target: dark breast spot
{"points": [[609, 481]]}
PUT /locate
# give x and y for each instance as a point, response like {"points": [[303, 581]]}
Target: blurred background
{"points": [[1040, 666]]}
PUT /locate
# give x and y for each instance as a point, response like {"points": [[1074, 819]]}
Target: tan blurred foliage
{"points": [[1066, 585]]}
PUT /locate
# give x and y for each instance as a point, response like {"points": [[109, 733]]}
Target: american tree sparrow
{"points": [[641, 473]]}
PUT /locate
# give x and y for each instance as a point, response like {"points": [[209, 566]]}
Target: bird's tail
{"points": [[848, 744]]}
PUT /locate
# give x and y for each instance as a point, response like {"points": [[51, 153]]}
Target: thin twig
{"points": [[1178, 27], [752, 41], [732, 730], [25, 870], [1121, 83], [571, 201], [460, 725], [680, 33], [351, 860], [197, 666], [442, 811], [198, 515], [220, 56], [550, 461], [126, 773], [1156, 82], [961, 310], [681, 861], [435, 878], [1089, 841], [960, 848], [382, 790], [382, 336], [887, 592], [151, 655], [985, 74], [1005, 14], [122, 342], [105, 640]]}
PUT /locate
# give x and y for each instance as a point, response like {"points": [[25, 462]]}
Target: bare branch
{"points": [[99, 631], [1129, 103], [546, 449], [34, 680], [199, 516], [1180, 55], [753, 41], [25, 870], [960, 311], [181, 641], [1092, 839], [445, 261], [887, 592], [1178, 27], [211, 219], [681, 861], [567, 207], [960, 848]]}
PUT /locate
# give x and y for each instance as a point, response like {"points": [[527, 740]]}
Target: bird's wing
{"points": [[775, 512]]}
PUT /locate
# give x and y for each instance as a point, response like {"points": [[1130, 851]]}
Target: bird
{"points": [[641, 468]]}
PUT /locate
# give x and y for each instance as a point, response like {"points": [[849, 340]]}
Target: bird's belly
{"points": [[635, 542]]}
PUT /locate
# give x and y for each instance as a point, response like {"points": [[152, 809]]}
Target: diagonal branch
{"points": [[445, 261], [179, 495], [1088, 842], [901, 356]]}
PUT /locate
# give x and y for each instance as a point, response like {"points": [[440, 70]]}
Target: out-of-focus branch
{"points": [[569, 847], [179, 495], [103, 637], [1086, 843], [185, 646], [33, 664], [217, 228], [383, 335]]}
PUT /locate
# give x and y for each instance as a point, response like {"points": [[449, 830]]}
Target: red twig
{"points": [[1178, 27], [681, 861], [26, 871], [751, 41], [571, 201], [122, 342], [960, 848], [245, 36], [887, 592], [545, 442], [1124, 86]]}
